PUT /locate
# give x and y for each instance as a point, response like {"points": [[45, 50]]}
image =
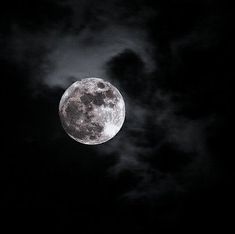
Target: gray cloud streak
{"points": [[70, 57], [86, 54], [131, 145]]}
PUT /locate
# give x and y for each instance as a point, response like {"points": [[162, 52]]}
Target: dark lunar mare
{"points": [[89, 129], [96, 99], [101, 85], [74, 112], [72, 109]]}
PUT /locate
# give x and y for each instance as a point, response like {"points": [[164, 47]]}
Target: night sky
{"points": [[170, 167]]}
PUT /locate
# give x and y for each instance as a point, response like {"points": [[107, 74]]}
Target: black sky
{"points": [[170, 167]]}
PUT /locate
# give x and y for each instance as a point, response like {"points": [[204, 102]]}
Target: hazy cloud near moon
{"points": [[96, 35], [139, 154], [85, 55], [68, 57]]}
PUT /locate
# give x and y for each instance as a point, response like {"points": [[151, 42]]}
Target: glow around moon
{"points": [[92, 111]]}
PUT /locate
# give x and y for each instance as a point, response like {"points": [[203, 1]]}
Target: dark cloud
{"points": [[88, 38], [115, 45], [56, 57], [158, 145]]}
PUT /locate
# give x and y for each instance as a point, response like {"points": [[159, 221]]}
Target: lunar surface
{"points": [[92, 111]]}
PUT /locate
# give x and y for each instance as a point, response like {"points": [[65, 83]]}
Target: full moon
{"points": [[92, 111]]}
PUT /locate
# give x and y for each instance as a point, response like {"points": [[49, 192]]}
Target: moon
{"points": [[92, 111]]}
